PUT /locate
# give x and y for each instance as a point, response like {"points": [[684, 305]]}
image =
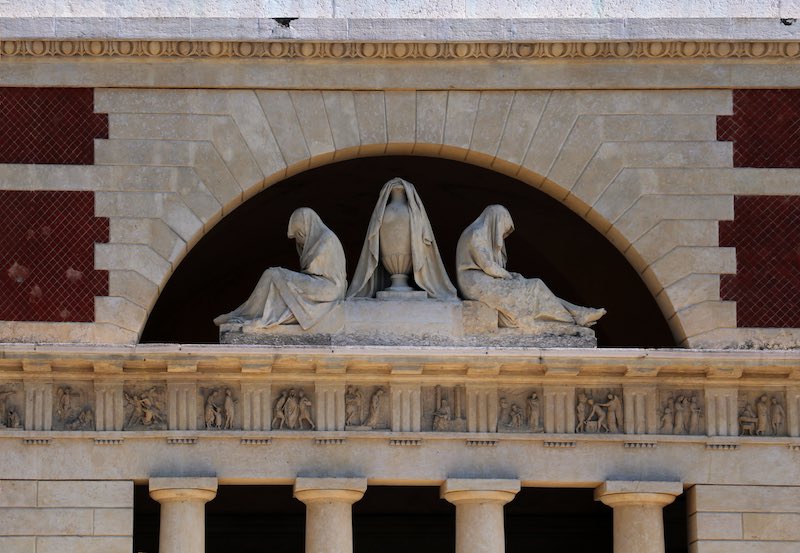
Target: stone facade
{"points": [[649, 132]]}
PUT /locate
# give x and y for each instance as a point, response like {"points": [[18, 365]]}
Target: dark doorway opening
{"points": [[550, 242], [399, 519]]}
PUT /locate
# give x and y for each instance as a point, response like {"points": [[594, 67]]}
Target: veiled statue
{"points": [[400, 242], [283, 296], [520, 302]]}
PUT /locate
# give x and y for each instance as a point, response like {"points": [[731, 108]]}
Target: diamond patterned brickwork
{"points": [[764, 128], [766, 286], [47, 256], [49, 125]]}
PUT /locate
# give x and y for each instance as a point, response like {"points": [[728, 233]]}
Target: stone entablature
{"points": [[557, 397]]}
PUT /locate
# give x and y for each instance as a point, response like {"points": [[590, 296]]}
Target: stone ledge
{"points": [[416, 29]]}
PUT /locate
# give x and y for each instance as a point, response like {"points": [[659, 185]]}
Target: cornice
{"points": [[447, 51]]}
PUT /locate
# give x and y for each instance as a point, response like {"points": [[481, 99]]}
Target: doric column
{"points": [[183, 512], [638, 513], [479, 512], [329, 512]]}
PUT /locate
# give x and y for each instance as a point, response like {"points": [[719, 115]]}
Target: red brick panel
{"points": [[49, 125], [766, 286], [47, 256], [764, 128]]}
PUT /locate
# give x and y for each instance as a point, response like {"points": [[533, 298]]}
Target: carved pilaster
{"points": [[406, 408], [481, 408], [559, 409], [641, 409], [109, 406], [182, 405], [256, 406], [722, 411], [330, 406], [38, 406], [793, 410]]}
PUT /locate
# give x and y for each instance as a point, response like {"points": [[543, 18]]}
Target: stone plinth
{"points": [[411, 320]]}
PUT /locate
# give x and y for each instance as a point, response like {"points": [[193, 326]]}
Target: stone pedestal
{"points": [[638, 513], [183, 516], [479, 512], [329, 512]]}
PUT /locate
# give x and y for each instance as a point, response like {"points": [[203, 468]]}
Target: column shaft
{"points": [[183, 512], [479, 504], [329, 512], [638, 513]]}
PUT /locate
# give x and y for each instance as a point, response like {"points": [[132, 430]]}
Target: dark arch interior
{"points": [[398, 519], [550, 242]]}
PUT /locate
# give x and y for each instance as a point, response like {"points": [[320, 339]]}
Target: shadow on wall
{"points": [[550, 242]]}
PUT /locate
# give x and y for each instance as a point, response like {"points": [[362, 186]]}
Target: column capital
{"points": [[617, 493], [165, 489], [347, 490], [479, 490]]}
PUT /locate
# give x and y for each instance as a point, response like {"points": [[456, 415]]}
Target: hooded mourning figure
{"points": [[395, 247], [520, 302], [286, 297]]}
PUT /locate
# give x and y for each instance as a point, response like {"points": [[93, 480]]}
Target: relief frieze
{"points": [[145, 407], [599, 410], [293, 410], [10, 406]]}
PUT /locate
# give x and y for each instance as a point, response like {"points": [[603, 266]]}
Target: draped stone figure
{"points": [[283, 296], [520, 302], [399, 242]]}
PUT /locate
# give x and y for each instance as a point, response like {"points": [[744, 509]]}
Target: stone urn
{"points": [[395, 239]]}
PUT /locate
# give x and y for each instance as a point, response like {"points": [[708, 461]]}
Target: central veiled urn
{"points": [[395, 239]]}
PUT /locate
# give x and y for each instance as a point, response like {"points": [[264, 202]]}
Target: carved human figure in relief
{"points": [[534, 413], [373, 418], [279, 418], [228, 407], [581, 413], [762, 416], [352, 406], [212, 413], [597, 414], [147, 410], [4, 395], [441, 417], [667, 421], [400, 242], [13, 419], [694, 418], [613, 413], [305, 412], [681, 415], [520, 302], [515, 421], [777, 416], [283, 296]]}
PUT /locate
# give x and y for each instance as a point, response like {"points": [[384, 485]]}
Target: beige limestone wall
{"points": [[66, 516], [744, 519]]}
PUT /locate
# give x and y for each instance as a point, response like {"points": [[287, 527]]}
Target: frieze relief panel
{"points": [[681, 412], [73, 406], [293, 408], [219, 407], [601, 410], [444, 408], [762, 413], [366, 407], [145, 406], [11, 398]]}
